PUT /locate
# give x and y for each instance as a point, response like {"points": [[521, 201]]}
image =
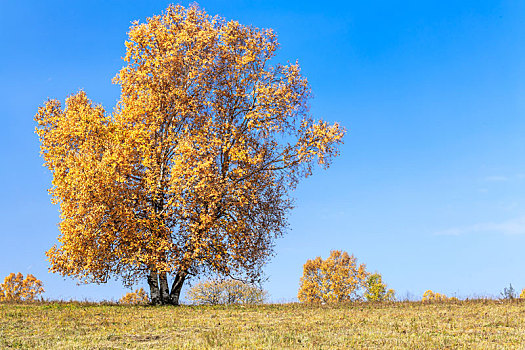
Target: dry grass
{"points": [[481, 324]]}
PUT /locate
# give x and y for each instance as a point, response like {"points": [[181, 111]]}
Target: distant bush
{"points": [[137, 297], [522, 294], [430, 296], [213, 292], [18, 288], [376, 290]]}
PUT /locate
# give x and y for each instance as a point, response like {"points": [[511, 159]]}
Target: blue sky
{"points": [[429, 189]]}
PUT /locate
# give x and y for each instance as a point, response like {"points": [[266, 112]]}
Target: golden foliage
{"points": [[376, 290], [429, 296], [336, 279], [18, 288], [215, 292], [192, 170], [139, 296]]}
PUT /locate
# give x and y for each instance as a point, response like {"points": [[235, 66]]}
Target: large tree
{"points": [[192, 171]]}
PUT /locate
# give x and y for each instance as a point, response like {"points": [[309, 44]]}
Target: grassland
{"points": [[479, 324]]}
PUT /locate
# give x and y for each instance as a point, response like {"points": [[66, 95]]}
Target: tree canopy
{"points": [[18, 288], [335, 279], [376, 289], [192, 171]]}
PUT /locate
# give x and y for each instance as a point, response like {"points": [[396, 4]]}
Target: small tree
{"points": [[336, 279], [376, 290], [139, 296], [18, 288], [213, 292]]}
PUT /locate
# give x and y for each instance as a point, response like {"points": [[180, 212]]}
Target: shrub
{"points": [[508, 293], [213, 292], [139, 296], [376, 290], [18, 288], [430, 296], [336, 279], [522, 294]]}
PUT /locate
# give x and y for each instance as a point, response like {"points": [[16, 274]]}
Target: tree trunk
{"points": [[165, 298], [159, 289], [153, 281], [176, 287]]}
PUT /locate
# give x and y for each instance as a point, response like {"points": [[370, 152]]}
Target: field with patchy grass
{"points": [[479, 324]]}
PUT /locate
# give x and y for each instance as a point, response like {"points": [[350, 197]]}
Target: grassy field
{"points": [[479, 324]]}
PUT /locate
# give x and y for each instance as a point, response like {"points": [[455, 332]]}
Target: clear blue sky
{"points": [[429, 189]]}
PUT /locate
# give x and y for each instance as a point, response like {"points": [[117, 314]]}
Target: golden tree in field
{"points": [[18, 288], [336, 279], [376, 289], [192, 171]]}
